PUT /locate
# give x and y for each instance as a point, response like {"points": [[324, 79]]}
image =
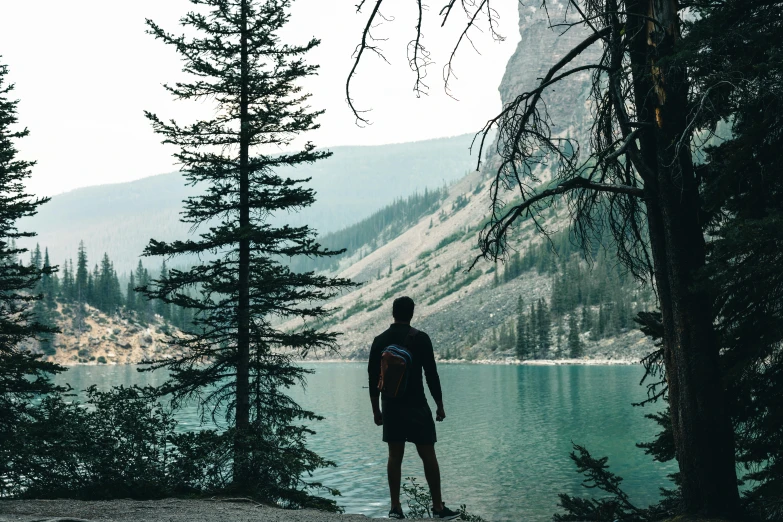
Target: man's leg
{"points": [[431, 472], [394, 471]]}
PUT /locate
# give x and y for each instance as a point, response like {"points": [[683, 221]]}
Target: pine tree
{"points": [[130, 293], [544, 325], [35, 257], [104, 288], [239, 61], [532, 331], [522, 346], [162, 308], [48, 282], [66, 285], [587, 320], [559, 334], [23, 375], [142, 302], [82, 274], [575, 348]]}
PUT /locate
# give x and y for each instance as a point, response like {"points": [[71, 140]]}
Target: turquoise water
{"points": [[503, 448]]}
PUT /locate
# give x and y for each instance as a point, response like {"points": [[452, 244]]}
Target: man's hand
{"points": [[375, 400], [440, 413]]}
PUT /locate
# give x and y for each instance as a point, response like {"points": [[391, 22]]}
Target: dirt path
{"points": [[168, 510]]}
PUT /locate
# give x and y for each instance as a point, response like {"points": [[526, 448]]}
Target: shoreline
{"points": [[486, 362], [503, 362]]}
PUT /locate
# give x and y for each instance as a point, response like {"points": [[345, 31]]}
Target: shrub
{"points": [[419, 502], [124, 444]]}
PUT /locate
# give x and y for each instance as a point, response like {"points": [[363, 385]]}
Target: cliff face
{"points": [[541, 46]]}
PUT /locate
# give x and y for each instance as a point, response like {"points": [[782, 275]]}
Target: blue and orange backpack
{"points": [[396, 361]]}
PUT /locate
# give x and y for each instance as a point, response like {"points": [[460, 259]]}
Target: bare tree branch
{"points": [[492, 239], [364, 45]]}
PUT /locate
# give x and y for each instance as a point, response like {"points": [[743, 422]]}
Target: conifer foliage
{"points": [[231, 357], [23, 375]]}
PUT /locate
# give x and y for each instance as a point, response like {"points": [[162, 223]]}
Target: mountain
{"points": [[474, 314], [537, 305], [481, 313], [356, 181]]}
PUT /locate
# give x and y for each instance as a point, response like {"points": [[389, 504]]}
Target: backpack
{"points": [[395, 363]]}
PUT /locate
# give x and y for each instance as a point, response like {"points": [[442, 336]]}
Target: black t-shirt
{"points": [[423, 359]]}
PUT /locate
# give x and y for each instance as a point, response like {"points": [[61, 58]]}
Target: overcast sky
{"points": [[85, 70]]}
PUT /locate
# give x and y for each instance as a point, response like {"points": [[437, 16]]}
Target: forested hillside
{"points": [[549, 300], [349, 186], [99, 319]]}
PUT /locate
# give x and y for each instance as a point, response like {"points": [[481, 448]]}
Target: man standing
{"points": [[407, 417]]}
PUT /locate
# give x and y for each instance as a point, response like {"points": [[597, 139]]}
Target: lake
{"points": [[503, 448]]}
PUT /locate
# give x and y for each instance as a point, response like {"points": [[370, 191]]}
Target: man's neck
{"points": [[406, 323]]}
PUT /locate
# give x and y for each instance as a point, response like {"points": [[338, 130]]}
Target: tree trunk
{"points": [[701, 426], [241, 450]]}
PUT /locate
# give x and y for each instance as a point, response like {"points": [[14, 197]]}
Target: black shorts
{"points": [[402, 423]]}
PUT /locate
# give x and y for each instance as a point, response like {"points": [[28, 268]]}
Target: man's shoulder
{"points": [[422, 335], [381, 337]]}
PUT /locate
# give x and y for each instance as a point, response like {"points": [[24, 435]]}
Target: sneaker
{"points": [[445, 513], [396, 513]]}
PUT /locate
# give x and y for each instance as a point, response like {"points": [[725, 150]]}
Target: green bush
{"points": [[123, 443]]}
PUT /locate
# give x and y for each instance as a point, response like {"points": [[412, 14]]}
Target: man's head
{"points": [[402, 309]]}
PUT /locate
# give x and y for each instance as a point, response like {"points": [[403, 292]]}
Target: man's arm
{"points": [[373, 375], [433, 380]]}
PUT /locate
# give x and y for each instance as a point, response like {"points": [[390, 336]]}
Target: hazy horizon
{"points": [[83, 85]]}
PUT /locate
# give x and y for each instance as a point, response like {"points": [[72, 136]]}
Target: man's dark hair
{"points": [[402, 309]]}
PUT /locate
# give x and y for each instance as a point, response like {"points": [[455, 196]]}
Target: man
{"points": [[408, 418]]}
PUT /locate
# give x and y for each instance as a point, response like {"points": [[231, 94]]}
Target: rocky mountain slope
{"points": [[463, 311], [460, 309], [100, 338]]}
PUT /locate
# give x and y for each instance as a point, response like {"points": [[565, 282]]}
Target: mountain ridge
{"points": [[120, 218]]}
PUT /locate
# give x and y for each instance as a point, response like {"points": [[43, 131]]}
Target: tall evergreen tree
{"points": [[130, 293], [23, 375], [82, 274], [162, 307], [522, 345], [543, 329], [48, 282], [142, 302], [238, 60], [532, 329], [36, 259], [575, 348]]}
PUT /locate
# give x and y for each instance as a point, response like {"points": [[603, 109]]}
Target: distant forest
{"points": [[370, 233], [74, 286], [591, 297]]}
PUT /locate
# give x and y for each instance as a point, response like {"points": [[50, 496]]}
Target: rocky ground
{"points": [[107, 339], [168, 510]]}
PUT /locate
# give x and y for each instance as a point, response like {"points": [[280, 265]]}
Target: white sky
{"points": [[85, 70]]}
